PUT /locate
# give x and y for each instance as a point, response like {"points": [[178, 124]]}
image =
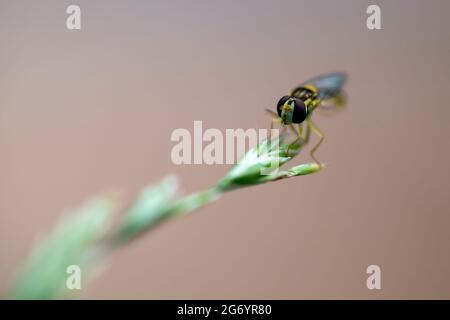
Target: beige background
{"points": [[84, 111]]}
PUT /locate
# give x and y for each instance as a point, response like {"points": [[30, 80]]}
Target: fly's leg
{"points": [[275, 118], [294, 131], [272, 113], [312, 127], [300, 130], [299, 141], [307, 132]]}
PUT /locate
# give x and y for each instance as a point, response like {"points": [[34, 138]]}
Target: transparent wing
{"points": [[329, 85], [333, 104]]}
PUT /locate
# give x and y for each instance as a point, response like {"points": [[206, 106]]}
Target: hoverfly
{"points": [[296, 108]]}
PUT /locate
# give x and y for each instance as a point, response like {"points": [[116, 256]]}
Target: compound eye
{"points": [[281, 103], [300, 111]]}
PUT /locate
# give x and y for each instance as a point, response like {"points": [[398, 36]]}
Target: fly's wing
{"points": [[328, 85]]}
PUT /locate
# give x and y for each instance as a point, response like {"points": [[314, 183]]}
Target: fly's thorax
{"points": [[311, 88], [305, 92], [308, 93]]}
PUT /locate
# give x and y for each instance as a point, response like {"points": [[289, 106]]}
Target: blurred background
{"points": [[85, 111]]}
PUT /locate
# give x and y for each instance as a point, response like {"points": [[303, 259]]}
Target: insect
{"points": [[323, 91]]}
